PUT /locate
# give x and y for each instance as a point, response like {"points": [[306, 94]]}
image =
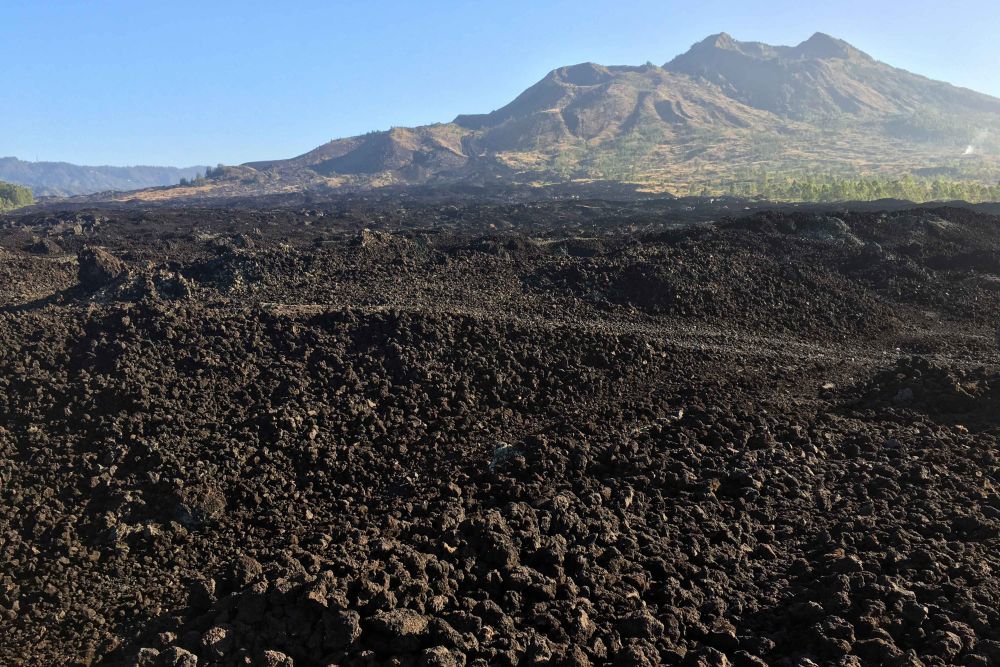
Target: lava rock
{"points": [[98, 267], [396, 631]]}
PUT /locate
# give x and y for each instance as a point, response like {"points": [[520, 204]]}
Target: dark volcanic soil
{"points": [[555, 433]]}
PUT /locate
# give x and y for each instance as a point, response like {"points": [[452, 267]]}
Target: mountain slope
{"points": [[62, 178], [823, 76], [721, 115]]}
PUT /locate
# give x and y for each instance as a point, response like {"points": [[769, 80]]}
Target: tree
{"points": [[835, 187], [219, 170], [14, 196]]}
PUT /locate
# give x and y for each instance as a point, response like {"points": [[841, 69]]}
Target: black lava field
{"points": [[468, 434]]}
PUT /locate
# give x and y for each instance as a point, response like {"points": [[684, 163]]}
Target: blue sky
{"points": [[180, 83]]}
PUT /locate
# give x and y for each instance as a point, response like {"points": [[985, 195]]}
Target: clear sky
{"points": [[184, 82]]}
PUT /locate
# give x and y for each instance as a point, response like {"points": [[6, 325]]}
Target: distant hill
{"points": [[726, 117], [64, 179]]}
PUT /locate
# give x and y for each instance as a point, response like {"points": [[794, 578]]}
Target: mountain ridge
{"points": [[46, 178], [709, 120]]}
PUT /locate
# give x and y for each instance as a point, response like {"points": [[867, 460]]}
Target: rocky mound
{"points": [[690, 275], [98, 267], [916, 383]]}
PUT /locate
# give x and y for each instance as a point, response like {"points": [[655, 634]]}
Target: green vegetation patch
{"points": [[834, 188], [14, 196]]}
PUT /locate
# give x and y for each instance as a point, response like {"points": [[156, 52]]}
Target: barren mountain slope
{"points": [[724, 113]]}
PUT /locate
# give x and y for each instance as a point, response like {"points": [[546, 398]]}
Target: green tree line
{"points": [[210, 172], [833, 188], [14, 196]]}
